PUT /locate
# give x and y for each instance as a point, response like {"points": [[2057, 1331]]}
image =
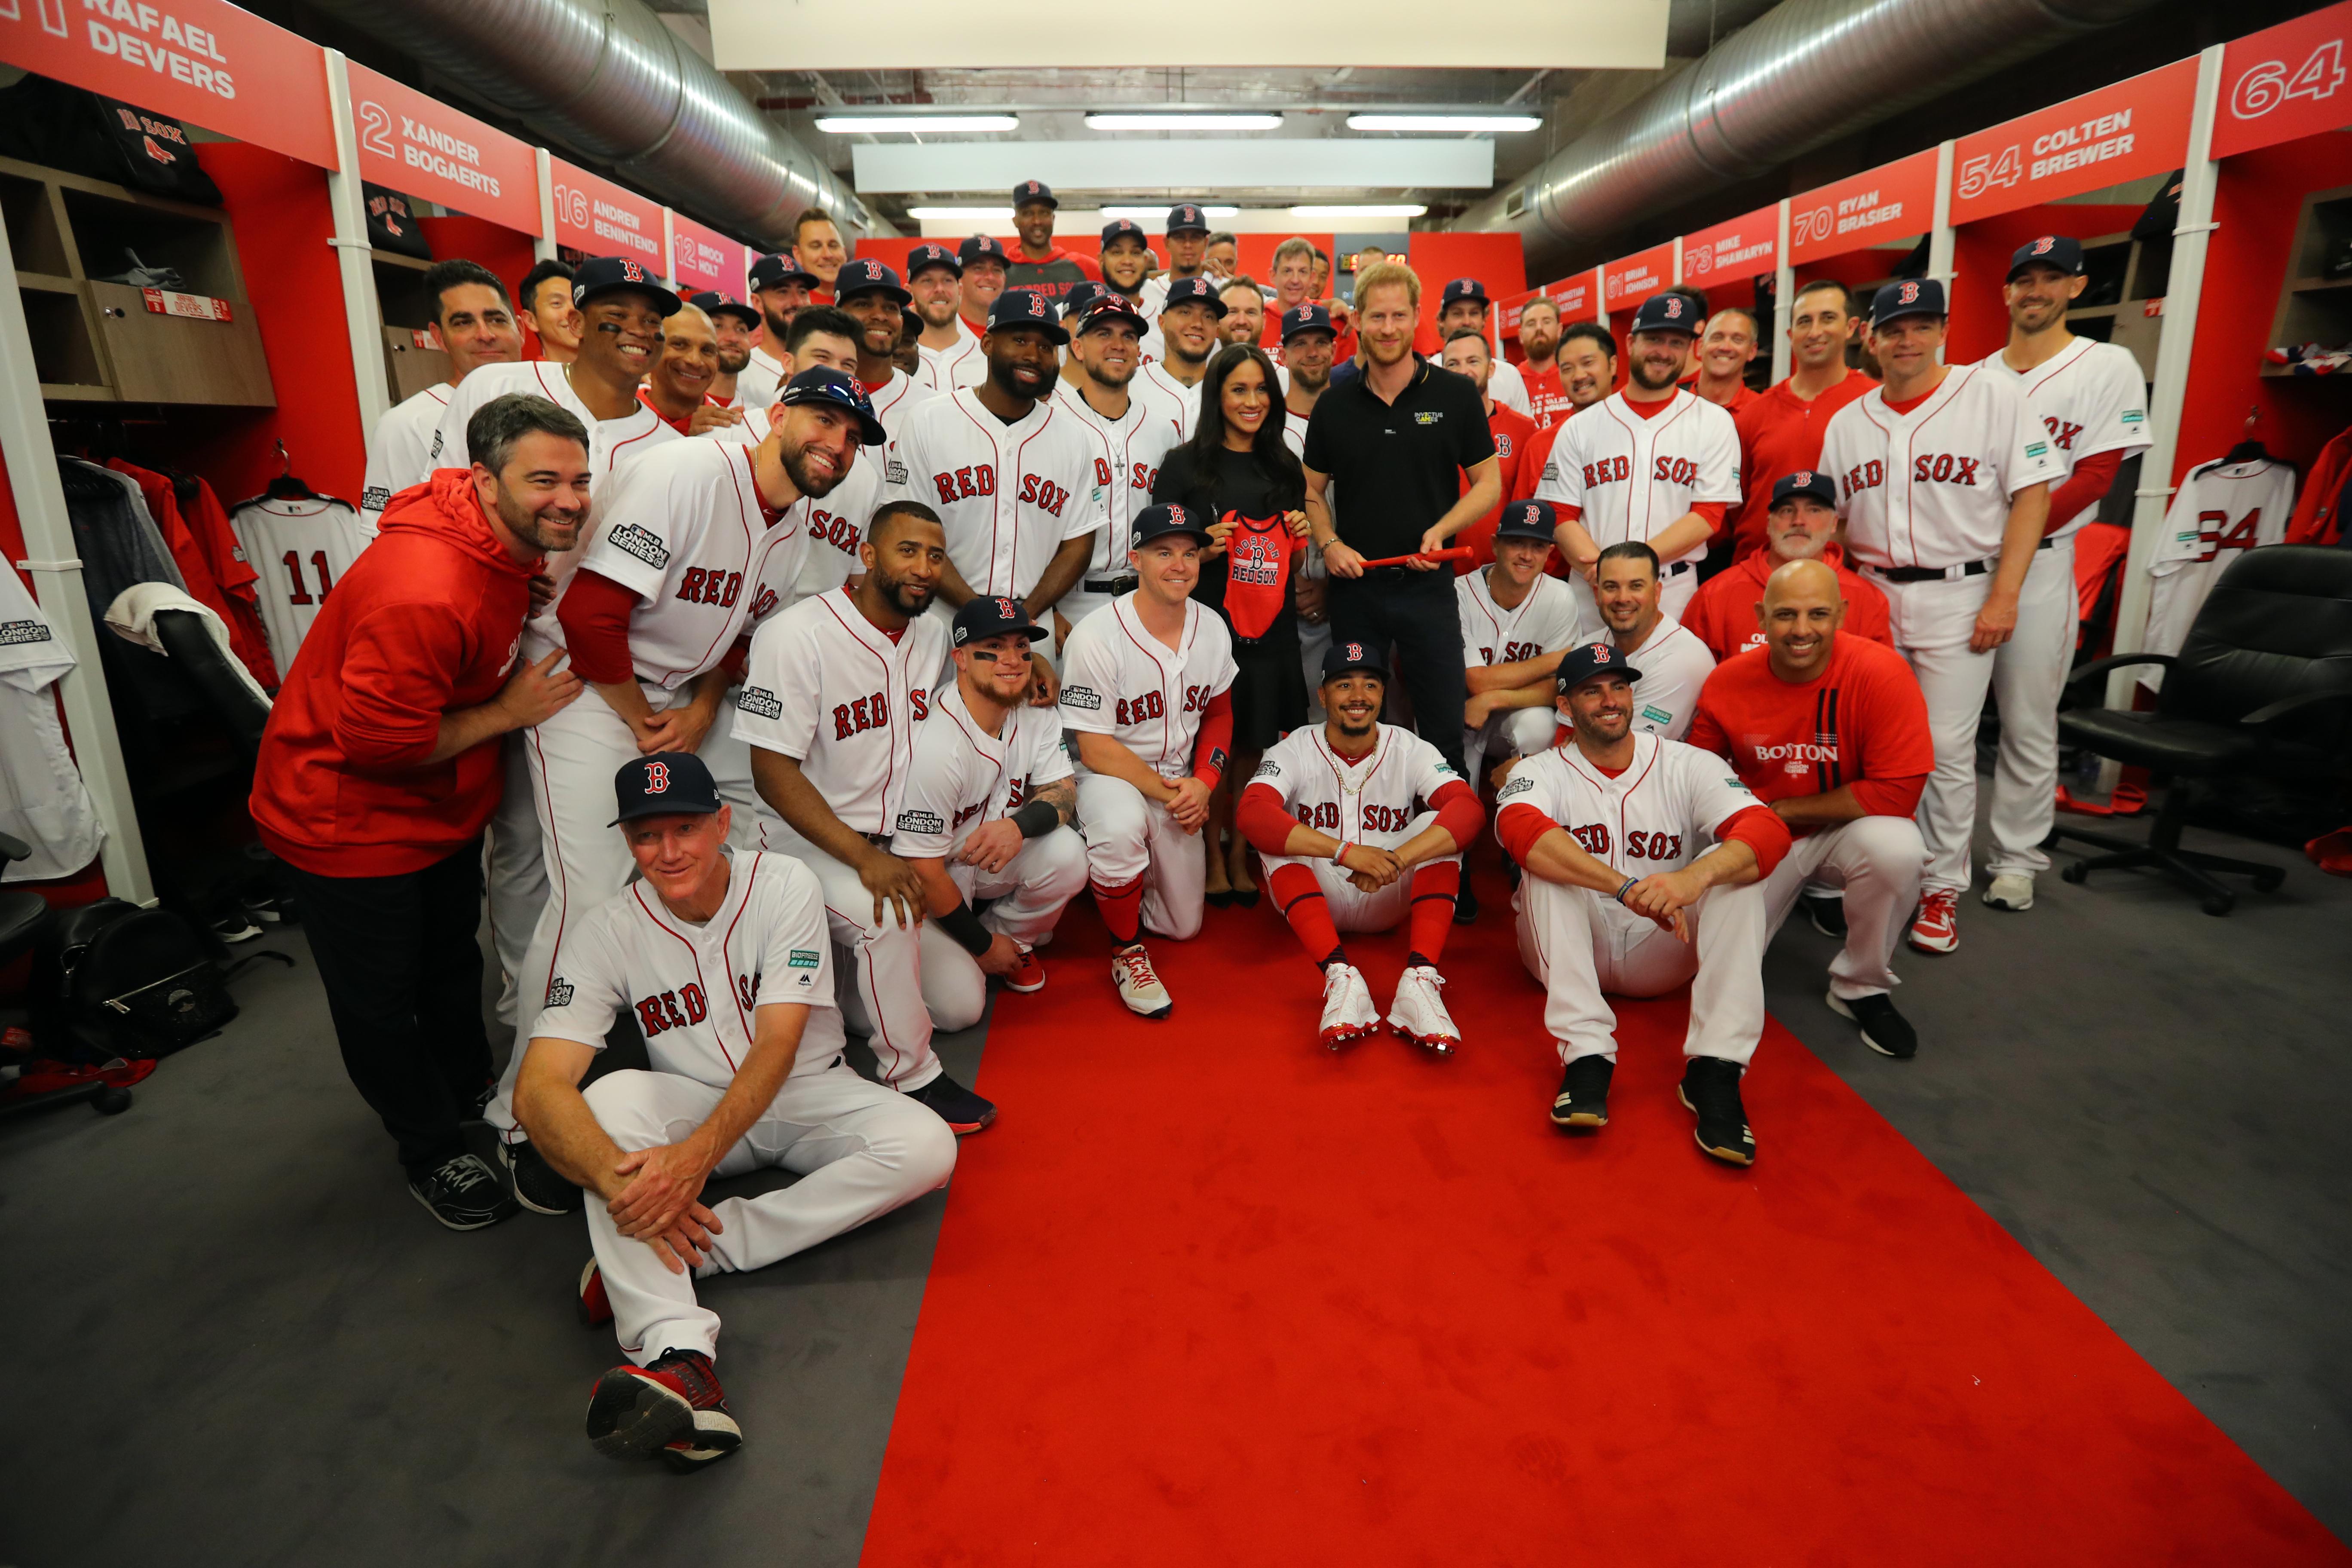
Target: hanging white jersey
{"points": [[1632, 477], [1931, 487], [300, 549], [2220, 511], [2090, 398], [1546, 621], [696, 990], [962, 777], [1371, 800], [1119, 680], [399, 449], [43, 800]]}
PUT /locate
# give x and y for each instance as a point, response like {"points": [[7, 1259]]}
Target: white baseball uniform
{"points": [[684, 528], [1632, 477], [761, 382], [829, 688], [944, 370], [835, 526], [897, 398], [699, 992], [398, 449], [1119, 680], [2090, 398], [962, 778], [1186, 399], [1662, 812], [2221, 510], [1674, 664], [302, 548], [1929, 491], [43, 800], [1547, 621], [1381, 799], [1128, 456], [1008, 495]]}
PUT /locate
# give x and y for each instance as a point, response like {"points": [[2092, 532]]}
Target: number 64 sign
{"points": [[2284, 82]]}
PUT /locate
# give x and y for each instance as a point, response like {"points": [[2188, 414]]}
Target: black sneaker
{"points": [[538, 1185], [961, 1110], [1883, 1029], [1583, 1098], [1710, 1089], [1827, 915], [464, 1194], [1465, 905]]}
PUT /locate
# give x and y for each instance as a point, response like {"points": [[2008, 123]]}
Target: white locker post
{"points": [[362, 315], [1784, 298]]}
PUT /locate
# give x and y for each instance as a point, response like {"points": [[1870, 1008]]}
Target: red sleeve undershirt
{"points": [[1457, 812], [1760, 829], [595, 616], [1214, 747], [1262, 819], [2084, 489], [1519, 826]]}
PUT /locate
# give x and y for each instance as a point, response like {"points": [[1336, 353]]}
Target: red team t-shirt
{"points": [[1861, 722], [1779, 434], [1515, 437], [1548, 401]]}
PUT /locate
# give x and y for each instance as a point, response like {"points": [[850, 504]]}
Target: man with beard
{"points": [[1126, 261], [1780, 432], [1542, 375], [817, 246], [1653, 462], [870, 296], [824, 338], [1464, 307], [1674, 663], [944, 345], [836, 690], [737, 326], [1010, 469], [1187, 232], [780, 287], [380, 767], [1245, 318], [1361, 825], [476, 326], [678, 388], [1641, 865], [1469, 353], [1134, 425], [1040, 263], [1188, 331], [692, 545], [1802, 526]]}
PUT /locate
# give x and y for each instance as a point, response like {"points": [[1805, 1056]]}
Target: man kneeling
{"points": [[727, 965], [1359, 822], [1586, 926]]}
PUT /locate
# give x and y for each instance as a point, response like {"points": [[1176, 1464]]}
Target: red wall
{"points": [[1981, 253], [502, 250]]}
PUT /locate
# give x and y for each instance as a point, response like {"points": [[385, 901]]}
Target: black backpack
{"points": [[115, 980]]}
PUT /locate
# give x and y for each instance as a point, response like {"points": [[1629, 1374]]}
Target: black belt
{"points": [[1112, 584], [1677, 568], [2047, 541], [879, 840], [1930, 574]]}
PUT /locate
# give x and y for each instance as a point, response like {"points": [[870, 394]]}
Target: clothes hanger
{"points": [[286, 485], [2251, 449]]}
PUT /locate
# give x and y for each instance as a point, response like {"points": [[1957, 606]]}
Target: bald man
{"points": [[1831, 731]]}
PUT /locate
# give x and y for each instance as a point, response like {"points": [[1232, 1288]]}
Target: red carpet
{"points": [[1209, 1294]]}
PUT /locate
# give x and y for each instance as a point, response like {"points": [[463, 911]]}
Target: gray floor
{"points": [[245, 1345]]}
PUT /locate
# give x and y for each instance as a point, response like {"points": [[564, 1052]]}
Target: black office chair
{"points": [[244, 710], [2262, 686], [24, 921]]}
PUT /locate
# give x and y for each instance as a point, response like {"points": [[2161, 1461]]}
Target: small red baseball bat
{"points": [[1450, 552]]}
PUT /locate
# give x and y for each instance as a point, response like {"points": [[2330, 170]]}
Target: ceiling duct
{"points": [[1781, 85], [607, 79]]}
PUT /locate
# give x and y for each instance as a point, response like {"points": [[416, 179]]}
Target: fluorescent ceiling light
{"points": [[1156, 214], [886, 124], [963, 215], [1182, 121], [1443, 124], [1396, 209]]}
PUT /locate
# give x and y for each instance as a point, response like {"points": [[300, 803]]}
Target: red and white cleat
{"points": [[1347, 1010], [1937, 927], [1027, 976], [1419, 1012]]}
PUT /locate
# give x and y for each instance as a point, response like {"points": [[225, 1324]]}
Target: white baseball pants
{"points": [[1351, 907], [1932, 623], [1030, 895], [861, 1151], [1579, 943], [1129, 836], [1877, 862], [516, 874], [2028, 672], [1514, 732], [880, 979]]}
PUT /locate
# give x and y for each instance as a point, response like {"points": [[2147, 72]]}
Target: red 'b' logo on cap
{"points": [[656, 778], [1600, 650], [1674, 308], [1907, 295], [2045, 245], [1355, 652], [633, 273], [1803, 477], [1005, 607]]}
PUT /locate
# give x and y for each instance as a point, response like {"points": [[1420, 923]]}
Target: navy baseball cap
{"points": [[610, 274], [1081, 295], [667, 784], [822, 384], [1194, 291], [1809, 482], [1125, 229], [775, 271], [1153, 522], [864, 276], [1586, 660], [2055, 251], [1907, 297], [712, 301], [982, 248], [1027, 308], [1463, 289], [1300, 320], [983, 618], [1528, 519], [931, 254], [1185, 218], [1667, 312], [1110, 305], [1029, 191], [1343, 658]]}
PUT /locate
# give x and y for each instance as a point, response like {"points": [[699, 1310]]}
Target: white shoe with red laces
{"points": [[1347, 1010], [1139, 983], [1419, 1012], [1936, 928]]}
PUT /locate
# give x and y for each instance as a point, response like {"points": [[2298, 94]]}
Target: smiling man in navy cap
{"points": [[1463, 304], [780, 287], [870, 295], [1040, 263]]}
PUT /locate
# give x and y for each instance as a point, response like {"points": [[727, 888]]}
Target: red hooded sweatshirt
{"points": [[426, 621]]}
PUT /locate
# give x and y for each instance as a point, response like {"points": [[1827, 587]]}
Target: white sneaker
{"points": [[1139, 986], [2010, 890], [1419, 1012], [1347, 1010]]}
